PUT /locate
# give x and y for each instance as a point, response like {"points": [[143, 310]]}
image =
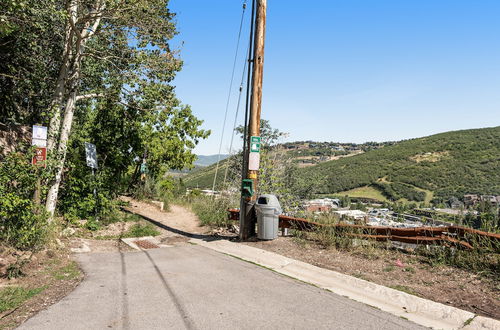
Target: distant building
{"points": [[489, 199], [356, 215], [470, 199], [455, 203], [321, 205]]}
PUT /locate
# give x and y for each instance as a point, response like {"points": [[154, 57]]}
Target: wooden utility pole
{"points": [[247, 214]]}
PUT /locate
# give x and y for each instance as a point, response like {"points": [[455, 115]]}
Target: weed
{"points": [[409, 270], [141, 230], [389, 268], [404, 288], [93, 225], [427, 283], [212, 211], [13, 297], [68, 272], [469, 321], [119, 216], [361, 276], [15, 270]]}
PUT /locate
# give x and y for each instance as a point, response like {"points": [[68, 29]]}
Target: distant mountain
{"points": [[441, 165], [434, 167], [208, 160]]}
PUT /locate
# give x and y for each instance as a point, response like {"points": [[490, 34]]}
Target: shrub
{"points": [[141, 230], [23, 224], [212, 211]]}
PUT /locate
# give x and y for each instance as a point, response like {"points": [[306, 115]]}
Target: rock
{"points": [[158, 204], [68, 232], [82, 222]]}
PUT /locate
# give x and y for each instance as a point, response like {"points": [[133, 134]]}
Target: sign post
{"points": [[91, 158], [39, 139]]}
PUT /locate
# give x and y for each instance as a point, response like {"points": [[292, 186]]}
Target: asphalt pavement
{"points": [[192, 287]]}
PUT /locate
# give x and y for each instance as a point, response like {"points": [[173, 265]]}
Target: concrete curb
{"points": [[421, 311]]}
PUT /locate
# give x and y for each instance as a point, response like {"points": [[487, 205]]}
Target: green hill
{"points": [[202, 160], [446, 164], [203, 177], [438, 166]]}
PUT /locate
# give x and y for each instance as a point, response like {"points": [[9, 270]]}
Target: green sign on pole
{"points": [[255, 144]]}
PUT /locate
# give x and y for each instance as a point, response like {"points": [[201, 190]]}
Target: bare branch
{"points": [[8, 76], [89, 96]]}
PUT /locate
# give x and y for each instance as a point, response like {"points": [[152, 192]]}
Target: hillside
{"points": [[446, 164], [202, 177], [441, 165], [203, 160]]}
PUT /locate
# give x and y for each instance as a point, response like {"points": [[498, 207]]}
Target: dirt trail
{"points": [[177, 217]]}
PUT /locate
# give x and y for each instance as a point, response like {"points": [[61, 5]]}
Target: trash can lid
{"points": [[268, 201]]}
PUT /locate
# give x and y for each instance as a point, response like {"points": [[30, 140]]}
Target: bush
{"points": [[212, 211], [141, 230], [23, 224]]}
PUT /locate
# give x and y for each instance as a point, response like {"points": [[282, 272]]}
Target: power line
{"points": [[229, 94], [236, 117]]}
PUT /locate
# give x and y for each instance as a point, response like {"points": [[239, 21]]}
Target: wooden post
{"points": [[247, 224]]}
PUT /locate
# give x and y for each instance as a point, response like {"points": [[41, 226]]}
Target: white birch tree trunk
{"points": [[60, 89], [68, 86], [62, 149]]}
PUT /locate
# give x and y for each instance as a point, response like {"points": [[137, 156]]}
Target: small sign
{"points": [[254, 161], [39, 132], [255, 144], [39, 143], [39, 137], [91, 155], [40, 157]]}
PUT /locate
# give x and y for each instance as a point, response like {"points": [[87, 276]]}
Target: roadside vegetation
{"points": [[483, 259], [426, 170], [55, 71], [448, 164]]}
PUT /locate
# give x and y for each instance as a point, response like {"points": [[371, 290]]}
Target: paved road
{"points": [[191, 287]]}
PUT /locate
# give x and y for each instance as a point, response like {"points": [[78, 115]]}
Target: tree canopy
{"points": [[96, 71]]}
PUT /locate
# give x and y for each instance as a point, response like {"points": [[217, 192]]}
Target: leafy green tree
{"points": [[117, 52], [269, 135], [30, 48]]}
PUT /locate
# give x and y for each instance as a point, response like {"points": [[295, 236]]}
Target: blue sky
{"points": [[348, 71]]}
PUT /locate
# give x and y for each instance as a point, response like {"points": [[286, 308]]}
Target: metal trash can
{"points": [[268, 209]]}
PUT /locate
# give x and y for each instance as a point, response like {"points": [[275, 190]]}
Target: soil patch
{"points": [[52, 274], [176, 217], [404, 272]]}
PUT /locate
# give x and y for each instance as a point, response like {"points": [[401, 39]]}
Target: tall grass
{"points": [[211, 210], [483, 259]]}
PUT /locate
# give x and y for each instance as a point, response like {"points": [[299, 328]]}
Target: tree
{"points": [[105, 63], [117, 52], [269, 135], [29, 59]]}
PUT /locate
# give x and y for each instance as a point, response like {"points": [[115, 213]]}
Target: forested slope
{"points": [[448, 164]]}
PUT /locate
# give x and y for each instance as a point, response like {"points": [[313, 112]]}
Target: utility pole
{"points": [[249, 185]]}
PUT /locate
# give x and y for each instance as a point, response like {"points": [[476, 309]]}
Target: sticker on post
{"points": [[255, 144], [254, 161]]}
